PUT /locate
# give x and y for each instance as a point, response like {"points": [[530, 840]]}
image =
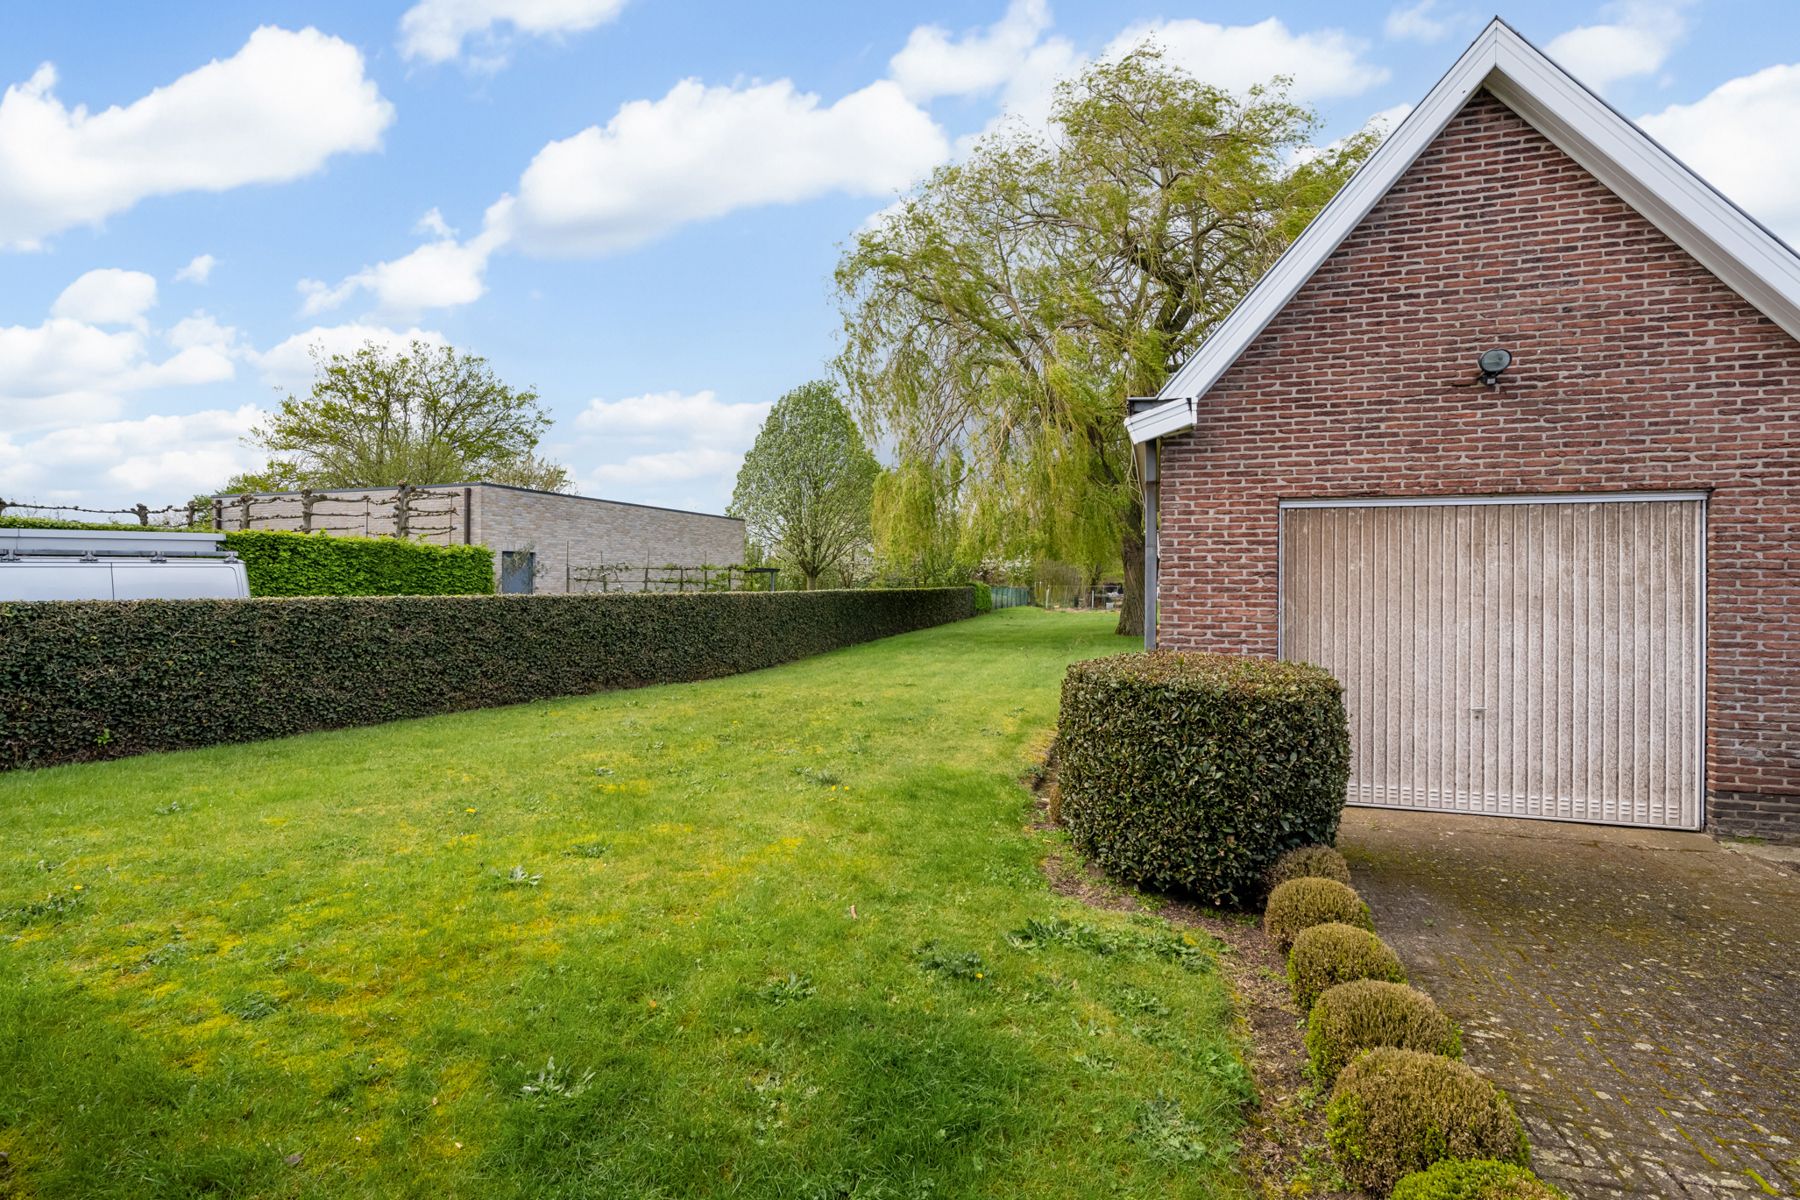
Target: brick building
{"points": [[1563, 586], [541, 540]]}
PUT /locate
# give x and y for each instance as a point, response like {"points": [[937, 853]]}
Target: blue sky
{"points": [[632, 205]]}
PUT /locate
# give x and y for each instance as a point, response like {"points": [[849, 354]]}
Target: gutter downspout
{"points": [[1152, 494]]}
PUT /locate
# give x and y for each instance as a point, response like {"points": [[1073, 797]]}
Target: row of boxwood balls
{"points": [[1405, 1119]]}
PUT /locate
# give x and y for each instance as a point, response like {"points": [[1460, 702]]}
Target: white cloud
{"points": [[154, 460], [289, 364], [95, 351], [1324, 64], [440, 274], [198, 270], [933, 63], [1636, 39], [675, 448], [1739, 137], [434, 30], [274, 111], [1420, 22], [108, 296], [701, 152], [434, 225]]}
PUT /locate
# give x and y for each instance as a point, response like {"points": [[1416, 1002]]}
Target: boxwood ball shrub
{"points": [[1193, 772], [1309, 862], [1393, 1112], [1326, 955], [1475, 1179], [1302, 903], [1368, 1014]]}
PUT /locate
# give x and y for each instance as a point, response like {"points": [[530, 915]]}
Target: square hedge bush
{"points": [[1194, 772]]}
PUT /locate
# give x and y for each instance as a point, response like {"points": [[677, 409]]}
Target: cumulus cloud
{"points": [[198, 270], [274, 111], [1636, 39], [674, 448], [443, 273], [1324, 64], [95, 350], [108, 296], [935, 63], [1739, 137], [700, 152], [435, 30], [288, 364], [1420, 22], [155, 460]]}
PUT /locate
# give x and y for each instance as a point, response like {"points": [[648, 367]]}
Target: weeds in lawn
{"points": [[1165, 1132], [253, 1006], [964, 965], [53, 907], [556, 1083], [778, 992]]}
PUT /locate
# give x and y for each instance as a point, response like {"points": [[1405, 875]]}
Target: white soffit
{"points": [[1723, 238]]}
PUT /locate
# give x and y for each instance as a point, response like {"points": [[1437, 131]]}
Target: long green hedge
{"points": [[104, 679], [301, 564]]}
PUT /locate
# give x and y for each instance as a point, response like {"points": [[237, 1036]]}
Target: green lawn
{"points": [[782, 935]]}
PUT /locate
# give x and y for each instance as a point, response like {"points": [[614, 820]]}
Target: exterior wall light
{"points": [[1492, 363]]}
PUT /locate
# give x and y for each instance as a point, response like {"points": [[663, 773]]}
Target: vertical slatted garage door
{"points": [[1537, 658]]}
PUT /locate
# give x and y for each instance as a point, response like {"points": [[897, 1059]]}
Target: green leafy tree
{"points": [[996, 322], [805, 488], [424, 415]]}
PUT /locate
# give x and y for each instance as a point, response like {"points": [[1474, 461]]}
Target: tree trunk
{"points": [[1131, 548]]}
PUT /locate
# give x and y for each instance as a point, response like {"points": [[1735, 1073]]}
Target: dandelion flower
{"points": [[78, 887], [468, 810]]}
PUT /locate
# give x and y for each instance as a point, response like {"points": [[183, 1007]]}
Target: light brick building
{"points": [[541, 540], [1569, 590]]}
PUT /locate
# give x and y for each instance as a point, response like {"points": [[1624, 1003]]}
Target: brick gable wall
{"points": [[1635, 369]]}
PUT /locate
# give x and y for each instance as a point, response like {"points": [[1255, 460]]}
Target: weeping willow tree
{"points": [[997, 319]]}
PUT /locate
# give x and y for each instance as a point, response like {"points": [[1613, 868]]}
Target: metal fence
{"points": [[668, 577], [1010, 597]]}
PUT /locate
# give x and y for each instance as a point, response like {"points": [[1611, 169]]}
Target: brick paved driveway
{"points": [[1638, 992]]}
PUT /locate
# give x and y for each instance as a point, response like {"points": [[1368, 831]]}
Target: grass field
{"points": [[779, 935]]}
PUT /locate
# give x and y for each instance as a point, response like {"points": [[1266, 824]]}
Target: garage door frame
{"points": [[1548, 498]]}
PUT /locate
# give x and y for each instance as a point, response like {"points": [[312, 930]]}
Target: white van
{"points": [[106, 564]]}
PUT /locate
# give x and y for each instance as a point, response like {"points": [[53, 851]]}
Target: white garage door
{"points": [[1526, 658]]}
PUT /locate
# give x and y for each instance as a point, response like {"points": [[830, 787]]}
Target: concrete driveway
{"points": [[1638, 992]]}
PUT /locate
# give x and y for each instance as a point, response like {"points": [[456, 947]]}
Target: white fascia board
{"points": [[1743, 254], [1152, 423], [1335, 222]]}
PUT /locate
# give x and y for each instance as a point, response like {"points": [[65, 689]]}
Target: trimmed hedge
{"points": [[313, 564], [984, 598], [1367, 1014], [1475, 1179], [1394, 1112], [1300, 904], [97, 679], [1309, 862], [1324, 956], [1193, 772]]}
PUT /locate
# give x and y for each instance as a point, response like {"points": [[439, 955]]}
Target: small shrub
{"points": [[1309, 862], [1193, 772], [1368, 1014], [1302, 903], [1394, 1112], [984, 598], [1475, 1179], [1326, 955]]}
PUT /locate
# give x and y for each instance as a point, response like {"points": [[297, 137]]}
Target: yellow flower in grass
{"points": [[468, 810]]}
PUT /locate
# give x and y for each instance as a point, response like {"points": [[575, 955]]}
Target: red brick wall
{"points": [[1634, 369]]}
